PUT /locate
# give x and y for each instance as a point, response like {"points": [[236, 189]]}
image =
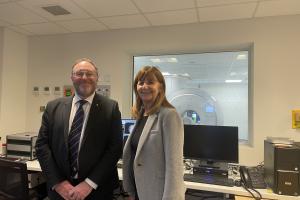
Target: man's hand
{"points": [[80, 191], [130, 198], [63, 189]]}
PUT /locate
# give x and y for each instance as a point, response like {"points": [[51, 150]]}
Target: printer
{"points": [[21, 145]]}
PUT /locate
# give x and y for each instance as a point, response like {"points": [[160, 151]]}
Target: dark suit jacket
{"points": [[100, 150]]}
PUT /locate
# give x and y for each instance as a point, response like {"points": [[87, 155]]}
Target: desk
{"points": [[267, 194], [245, 198]]}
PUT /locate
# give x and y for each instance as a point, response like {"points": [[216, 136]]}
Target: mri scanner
{"points": [[195, 105]]}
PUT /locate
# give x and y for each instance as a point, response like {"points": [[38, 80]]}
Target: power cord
{"points": [[259, 197]]}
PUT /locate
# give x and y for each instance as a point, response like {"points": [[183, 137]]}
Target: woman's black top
{"points": [[136, 134]]}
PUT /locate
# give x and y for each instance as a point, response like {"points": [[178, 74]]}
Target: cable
{"points": [[252, 194]]}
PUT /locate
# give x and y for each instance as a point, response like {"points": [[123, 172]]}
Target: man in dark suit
{"points": [[93, 173]]}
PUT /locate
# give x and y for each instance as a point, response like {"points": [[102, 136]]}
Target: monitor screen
{"points": [[211, 143], [127, 126]]}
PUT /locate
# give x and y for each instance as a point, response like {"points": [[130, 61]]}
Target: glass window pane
{"points": [[206, 88]]}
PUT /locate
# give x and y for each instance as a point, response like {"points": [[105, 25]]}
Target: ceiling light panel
{"points": [[105, 8], [233, 81], [241, 57]]}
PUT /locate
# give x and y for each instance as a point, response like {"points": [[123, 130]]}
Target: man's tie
{"points": [[74, 137]]}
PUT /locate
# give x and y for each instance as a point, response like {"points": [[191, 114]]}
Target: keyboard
{"points": [[209, 179]]}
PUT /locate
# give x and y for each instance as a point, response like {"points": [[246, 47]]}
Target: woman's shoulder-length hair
{"points": [[150, 72]]}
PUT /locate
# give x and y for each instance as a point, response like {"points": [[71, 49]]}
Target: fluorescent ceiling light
{"points": [[155, 60], [233, 81], [172, 60], [164, 60], [241, 57]]}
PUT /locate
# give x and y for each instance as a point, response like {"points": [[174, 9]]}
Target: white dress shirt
{"points": [[86, 109]]}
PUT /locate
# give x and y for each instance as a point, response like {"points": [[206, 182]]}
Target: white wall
{"points": [[13, 84], [1, 72], [274, 90]]}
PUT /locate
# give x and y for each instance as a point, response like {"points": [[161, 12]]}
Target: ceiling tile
{"points": [[15, 14], [279, 7], [202, 3], [36, 6], [126, 21], [4, 1], [83, 25], [2, 23], [163, 5], [44, 28], [173, 17], [19, 30], [102, 8], [228, 12]]}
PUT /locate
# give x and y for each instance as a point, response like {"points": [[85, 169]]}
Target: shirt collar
{"points": [[88, 99]]}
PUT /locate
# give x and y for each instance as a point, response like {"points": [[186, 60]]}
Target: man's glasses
{"points": [[81, 74]]}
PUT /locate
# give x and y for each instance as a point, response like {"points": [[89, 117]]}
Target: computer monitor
{"points": [[127, 126], [14, 179], [211, 143]]}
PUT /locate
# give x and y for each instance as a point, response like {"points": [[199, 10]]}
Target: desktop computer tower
{"points": [[282, 165]]}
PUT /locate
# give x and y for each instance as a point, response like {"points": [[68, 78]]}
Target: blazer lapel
{"points": [[145, 133], [94, 114], [66, 117]]}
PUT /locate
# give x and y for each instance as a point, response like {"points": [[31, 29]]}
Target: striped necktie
{"points": [[74, 137]]}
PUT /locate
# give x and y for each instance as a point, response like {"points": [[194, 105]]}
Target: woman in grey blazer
{"points": [[153, 153]]}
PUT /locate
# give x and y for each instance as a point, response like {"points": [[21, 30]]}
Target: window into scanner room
{"points": [[206, 88]]}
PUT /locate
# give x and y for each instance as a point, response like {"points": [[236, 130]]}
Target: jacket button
{"points": [[139, 164]]}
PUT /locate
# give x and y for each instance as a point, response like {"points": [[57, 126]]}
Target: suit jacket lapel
{"points": [[145, 133], [66, 118], [93, 115]]}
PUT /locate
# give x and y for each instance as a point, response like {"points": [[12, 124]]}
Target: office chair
{"points": [[14, 181]]}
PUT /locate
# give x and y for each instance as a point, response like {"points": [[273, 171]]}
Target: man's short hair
{"points": [[86, 60]]}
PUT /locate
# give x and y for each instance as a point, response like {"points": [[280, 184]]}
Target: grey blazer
{"points": [[158, 164]]}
